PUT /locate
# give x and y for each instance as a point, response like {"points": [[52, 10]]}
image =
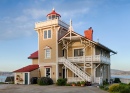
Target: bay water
{"points": [[2, 78]]}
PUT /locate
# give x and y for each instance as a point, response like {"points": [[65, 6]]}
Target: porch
{"points": [[81, 59]]}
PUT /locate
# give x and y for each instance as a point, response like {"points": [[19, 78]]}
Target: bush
{"points": [[67, 84], [45, 81], [106, 88], [105, 82], [78, 83], [117, 80], [114, 88], [61, 82], [125, 90]]}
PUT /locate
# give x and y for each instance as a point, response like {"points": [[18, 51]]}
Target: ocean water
{"points": [[2, 78], [121, 76]]}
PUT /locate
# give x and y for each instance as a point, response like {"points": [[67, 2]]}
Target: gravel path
{"points": [[10, 88]]}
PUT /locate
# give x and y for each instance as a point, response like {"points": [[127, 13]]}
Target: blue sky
{"points": [[110, 20]]}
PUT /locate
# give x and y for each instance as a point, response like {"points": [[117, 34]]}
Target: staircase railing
{"points": [[76, 70], [81, 69]]}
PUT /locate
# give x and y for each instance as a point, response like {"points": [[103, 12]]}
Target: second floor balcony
{"points": [[87, 59]]}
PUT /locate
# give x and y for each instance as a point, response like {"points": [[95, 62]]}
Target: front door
{"points": [[26, 78], [48, 72]]}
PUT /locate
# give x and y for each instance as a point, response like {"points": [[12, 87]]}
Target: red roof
{"points": [[53, 13], [28, 68], [33, 55]]}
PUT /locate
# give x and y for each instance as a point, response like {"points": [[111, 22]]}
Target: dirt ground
{"points": [[11, 88]]}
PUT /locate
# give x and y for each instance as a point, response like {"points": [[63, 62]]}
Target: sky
{"points": [[110, 20]]}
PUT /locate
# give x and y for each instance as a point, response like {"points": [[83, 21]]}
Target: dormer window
{"points": [[47, 34]]}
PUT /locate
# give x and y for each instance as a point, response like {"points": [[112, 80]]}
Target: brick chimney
{"points": [[89, 33]]}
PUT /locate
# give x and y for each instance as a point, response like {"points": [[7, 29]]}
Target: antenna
{"points": [[98, 40], [70, 28]]}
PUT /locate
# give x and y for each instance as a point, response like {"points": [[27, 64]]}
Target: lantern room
{"points": [[53, 15]]}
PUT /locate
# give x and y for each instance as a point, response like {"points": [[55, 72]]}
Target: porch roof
{"points": [[28, 68]]}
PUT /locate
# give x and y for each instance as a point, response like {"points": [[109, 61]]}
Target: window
{"points": [[53, 16], [47, 53], [48, 72], [78, 52], [47, 34]]}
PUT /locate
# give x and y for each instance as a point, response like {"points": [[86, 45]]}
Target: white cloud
{"points": [[35, 13], [23, 24]]}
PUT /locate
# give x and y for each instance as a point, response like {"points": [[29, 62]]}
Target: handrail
{"points": [[75, 70], [82, 69]]}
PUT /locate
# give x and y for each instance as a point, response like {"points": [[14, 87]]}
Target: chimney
{"points": [[89, 33]]}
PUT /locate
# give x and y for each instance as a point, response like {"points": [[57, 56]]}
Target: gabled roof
{"points": [[34, 55], [96, 43], [28, 68]]}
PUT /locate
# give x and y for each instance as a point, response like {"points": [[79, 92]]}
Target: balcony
{"points": [[51, 22], [94, 59]]}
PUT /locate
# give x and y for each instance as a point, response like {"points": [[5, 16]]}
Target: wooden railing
{"points": [[95, 58], [51, 22], [82, 75]]}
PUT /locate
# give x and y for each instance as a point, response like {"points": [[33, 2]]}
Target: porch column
{"points": [[67, 50], [65, 72], [94, 75], [109, 74], [84, 58]]}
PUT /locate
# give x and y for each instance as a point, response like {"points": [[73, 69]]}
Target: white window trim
{"points": [[47, 34], [76, 48], [45, 53], [50, 71]]}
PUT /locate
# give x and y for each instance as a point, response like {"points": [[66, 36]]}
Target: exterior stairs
{"points": [[81, 74]]}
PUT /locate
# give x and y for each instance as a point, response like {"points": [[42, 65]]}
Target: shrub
{"points": [[101, 87], [82, 82], [78, 83], [125, 90], [117, 80], [105, 82], [45, 81], [61, 82], [114, 88], [68, 84], [106, 88]]}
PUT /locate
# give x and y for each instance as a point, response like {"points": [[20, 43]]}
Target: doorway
{"points": [[63, 73], [26, 78]]}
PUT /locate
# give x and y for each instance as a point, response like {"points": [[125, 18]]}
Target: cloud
{"points": [[12, 28], [35, 13], [22, 25]]}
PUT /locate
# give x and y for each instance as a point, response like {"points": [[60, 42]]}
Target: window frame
{"points": [[75, 49], [47, 36], [46, 54], [46, 70]]}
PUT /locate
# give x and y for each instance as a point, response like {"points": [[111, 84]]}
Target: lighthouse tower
{"points": [[49, 32]]}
